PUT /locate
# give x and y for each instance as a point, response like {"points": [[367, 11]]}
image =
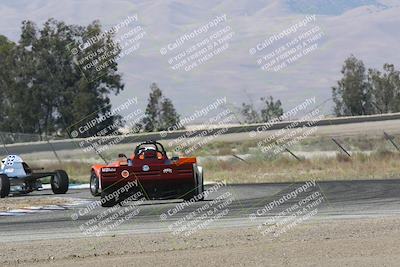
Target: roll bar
{"points": [[159, 147]]}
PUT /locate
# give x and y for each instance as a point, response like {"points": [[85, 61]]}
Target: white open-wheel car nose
{"points": [[16, 177]]}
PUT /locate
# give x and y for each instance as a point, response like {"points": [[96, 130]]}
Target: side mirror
{"points": [[122, 156]]}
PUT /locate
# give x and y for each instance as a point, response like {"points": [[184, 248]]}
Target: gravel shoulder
{"points": [[344, 242], [21, 202]]}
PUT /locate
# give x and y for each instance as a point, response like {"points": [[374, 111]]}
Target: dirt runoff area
{"points": [[347, 242], [7, 204]]}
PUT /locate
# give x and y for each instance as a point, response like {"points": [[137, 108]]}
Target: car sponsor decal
{"points": [[125, 174], [145, 168], [108, 169], [167, 170]]}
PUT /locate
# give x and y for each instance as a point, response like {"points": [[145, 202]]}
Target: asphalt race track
{"points": [[341, 199]]}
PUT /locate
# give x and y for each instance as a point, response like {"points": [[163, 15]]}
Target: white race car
{"points": [[16, 177]]}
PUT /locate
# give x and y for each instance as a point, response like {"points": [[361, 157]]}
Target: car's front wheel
{"points": [[4, 186], [59, 182], [94, 185]]}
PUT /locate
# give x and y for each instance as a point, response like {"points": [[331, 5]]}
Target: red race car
{"points": [[149, 171]]}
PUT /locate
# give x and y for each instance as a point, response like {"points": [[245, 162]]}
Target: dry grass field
{"points": [[320, 159]]}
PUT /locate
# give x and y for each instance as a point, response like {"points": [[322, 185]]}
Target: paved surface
{"points": [[340, 199]]}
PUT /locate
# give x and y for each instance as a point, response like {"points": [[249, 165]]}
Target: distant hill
{"points": [[324, 7], [366, 28]]}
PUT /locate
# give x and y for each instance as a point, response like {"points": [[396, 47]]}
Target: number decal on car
{"points": [[10, 160]]}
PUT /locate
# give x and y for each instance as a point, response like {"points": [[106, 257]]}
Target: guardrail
{"points": [[68, 144]]}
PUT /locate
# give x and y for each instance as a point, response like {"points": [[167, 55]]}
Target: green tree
{"points": [[352, 95], [271, 110], [169, 116], [46, 91], [249, 113], [152, 121], [385, 88], [160, 112], [6, 48]]}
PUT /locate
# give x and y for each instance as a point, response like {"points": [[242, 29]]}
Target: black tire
{"points": [[198, 187], [94, 185], [59, 182], [108, 202], [4, 186]]}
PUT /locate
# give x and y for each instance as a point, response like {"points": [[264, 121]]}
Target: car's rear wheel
{"points": [[200, 182], [59, 182], [94, 185], [197, 192], [107, 199], [4, 186]]}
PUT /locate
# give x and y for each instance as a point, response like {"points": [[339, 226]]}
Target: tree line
{"points": [[44, 91], [365, 92]]}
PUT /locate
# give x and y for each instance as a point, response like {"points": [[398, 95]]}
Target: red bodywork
{"points": [[161, 179]]}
